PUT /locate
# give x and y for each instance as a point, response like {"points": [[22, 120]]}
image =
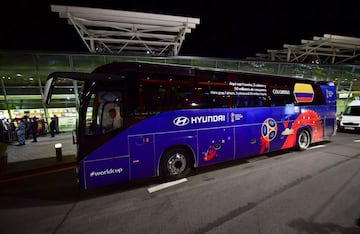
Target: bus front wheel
{"points": [[303, 140], [175, 163]]}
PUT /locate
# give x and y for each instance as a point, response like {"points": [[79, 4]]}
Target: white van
{"points": [[350, 118]]}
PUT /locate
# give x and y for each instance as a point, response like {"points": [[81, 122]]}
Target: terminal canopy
{"points": [[328, 49], [128, 32]]}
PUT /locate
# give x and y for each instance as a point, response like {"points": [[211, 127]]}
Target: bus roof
{"points": [[117, 68]]}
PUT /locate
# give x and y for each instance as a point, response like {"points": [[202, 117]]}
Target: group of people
{"points": [[21, 129]]}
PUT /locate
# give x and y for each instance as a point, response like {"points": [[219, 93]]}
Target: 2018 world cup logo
{"points": [[269, 129]]}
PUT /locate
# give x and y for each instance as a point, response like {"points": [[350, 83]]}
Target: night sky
{"points": [[228, 29]]}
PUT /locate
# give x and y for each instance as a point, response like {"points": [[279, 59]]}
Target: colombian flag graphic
{"points": [[303, 92]]}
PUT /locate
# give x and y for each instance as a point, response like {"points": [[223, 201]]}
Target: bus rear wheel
{"points": [[175, 163], [303, 140]]}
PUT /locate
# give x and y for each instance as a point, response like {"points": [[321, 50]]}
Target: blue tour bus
{"points": [[139, 120]]}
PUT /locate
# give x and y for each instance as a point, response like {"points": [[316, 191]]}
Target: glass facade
{"points": [[23, 76]]}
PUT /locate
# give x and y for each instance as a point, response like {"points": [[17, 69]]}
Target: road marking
{"points": [[357, 141], [166, 185], [316, 147]]}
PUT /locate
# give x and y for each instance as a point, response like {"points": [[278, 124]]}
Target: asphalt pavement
{"points": [[292, 192], [40, 156]]}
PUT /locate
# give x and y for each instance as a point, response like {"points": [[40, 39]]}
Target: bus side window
{"points": [[319, 98]]}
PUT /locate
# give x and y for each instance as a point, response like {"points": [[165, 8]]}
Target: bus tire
{"points": [[303, 140], [175, 163]]}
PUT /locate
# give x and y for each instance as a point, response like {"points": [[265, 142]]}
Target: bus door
{"points": [[329, 93], [215, 145]]}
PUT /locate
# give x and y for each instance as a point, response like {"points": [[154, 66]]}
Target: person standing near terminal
{"points": [[20, 132], [33, 126], [57, 130], [52, 127]]}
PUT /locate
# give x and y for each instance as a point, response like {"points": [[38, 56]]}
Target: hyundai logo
{"points": [[181, 121]]}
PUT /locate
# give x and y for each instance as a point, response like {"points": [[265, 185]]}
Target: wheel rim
{"points": [[176, 164], [304, 140]]}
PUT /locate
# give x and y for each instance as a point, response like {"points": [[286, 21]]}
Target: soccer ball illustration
{"points": [[269, 129]]}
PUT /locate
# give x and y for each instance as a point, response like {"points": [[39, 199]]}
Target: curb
{"points": [[25, 171]]}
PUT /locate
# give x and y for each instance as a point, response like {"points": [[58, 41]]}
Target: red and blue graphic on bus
{"points": [[210, 153], [268, 133]]}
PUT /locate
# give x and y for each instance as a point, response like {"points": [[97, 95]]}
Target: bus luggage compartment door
{"points": [[95, 173], [216, 145], [142, 161], [248, 140]]}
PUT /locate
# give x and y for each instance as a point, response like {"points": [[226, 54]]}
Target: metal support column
{"points": [[36, 65]]}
